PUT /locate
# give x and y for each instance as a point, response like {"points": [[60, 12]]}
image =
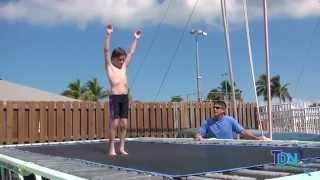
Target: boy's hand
{"points": [[137, 34], [109, 29]]}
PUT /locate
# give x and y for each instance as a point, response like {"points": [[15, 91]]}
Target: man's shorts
{"points": [[119, 105]]}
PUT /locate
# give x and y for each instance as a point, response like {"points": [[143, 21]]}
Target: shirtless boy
{"points": [[116, 68]]}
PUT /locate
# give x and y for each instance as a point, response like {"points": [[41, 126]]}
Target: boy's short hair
{"points": [[117, 52], [221, 103]]}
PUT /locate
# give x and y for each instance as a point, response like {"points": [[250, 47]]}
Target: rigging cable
{"points": [[306, 56], [176, 50], [155, 36]]}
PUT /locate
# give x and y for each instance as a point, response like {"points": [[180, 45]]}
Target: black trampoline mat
{"points": [[173, 160]]}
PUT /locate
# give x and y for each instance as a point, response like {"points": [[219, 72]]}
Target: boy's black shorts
{"points": [[119, 106]]}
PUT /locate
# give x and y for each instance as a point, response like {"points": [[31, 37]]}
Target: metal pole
{"points": [[197, 33], [198, 68], [267, 61], [226, 30]]}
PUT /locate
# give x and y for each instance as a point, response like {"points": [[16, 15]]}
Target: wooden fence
{"points": [[32, 122]]}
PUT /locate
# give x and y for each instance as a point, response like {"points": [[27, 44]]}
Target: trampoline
{"points": [[180, 157]]}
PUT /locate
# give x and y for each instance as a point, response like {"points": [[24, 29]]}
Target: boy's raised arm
{"points": [[132, 49], [107, 56]]}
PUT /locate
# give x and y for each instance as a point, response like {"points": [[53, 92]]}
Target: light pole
{"points": [[197, 33]]}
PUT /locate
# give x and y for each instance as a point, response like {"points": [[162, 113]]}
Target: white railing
{"points": [[292, 118], [22, 168]]}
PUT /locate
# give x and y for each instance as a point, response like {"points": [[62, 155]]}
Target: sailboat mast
{"points": [[267, 61], [227, 42], [245, 10]]}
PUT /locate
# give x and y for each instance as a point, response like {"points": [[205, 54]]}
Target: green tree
{"points": [[74, 90], [87, 95], [215, 95], [277, 90], [226, 89], [224, 92], [176, 99], [93, 91], [284, 93], [262, 86]]}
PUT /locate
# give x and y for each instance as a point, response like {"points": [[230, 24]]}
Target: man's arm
{"points": [[107, 56], [132, 49], [248, 134], [202, 131]]}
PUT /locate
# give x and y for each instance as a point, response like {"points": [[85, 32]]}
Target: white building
{"points": [[15, 92]]}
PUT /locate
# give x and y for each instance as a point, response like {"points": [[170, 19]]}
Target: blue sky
{"points": [[47, 44]]}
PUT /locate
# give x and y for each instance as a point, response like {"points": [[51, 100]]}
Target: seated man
{"points": [[222, 126]]}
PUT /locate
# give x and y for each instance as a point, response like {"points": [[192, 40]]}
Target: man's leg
{"points": [[112, 133], [123, 130]]}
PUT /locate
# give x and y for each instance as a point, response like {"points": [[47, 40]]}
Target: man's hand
{"points": [[137, 34], [198, 137], [109, 29], [263, 138]]}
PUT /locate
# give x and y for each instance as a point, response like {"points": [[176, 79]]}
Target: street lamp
{"points": [[197, 33]]}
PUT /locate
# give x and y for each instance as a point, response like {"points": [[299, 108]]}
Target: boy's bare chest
{"points": [[117, 73]]}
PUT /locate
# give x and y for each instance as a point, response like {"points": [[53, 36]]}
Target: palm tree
{"points": [[88, 96], [94, 92], [262, 86], [277, 90], [226, 89], [74, 90], [215, 95], [284, 93], [176, 99]]}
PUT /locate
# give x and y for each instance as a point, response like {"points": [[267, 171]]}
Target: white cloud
{"points": [[296, 8], [81, 12], [129, 13]]}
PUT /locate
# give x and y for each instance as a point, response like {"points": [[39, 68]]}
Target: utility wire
{"points": [[306, 56]]}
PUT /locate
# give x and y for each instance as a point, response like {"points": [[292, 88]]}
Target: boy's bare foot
{"points": [[112, 153], [112, 156], [123, 152]]}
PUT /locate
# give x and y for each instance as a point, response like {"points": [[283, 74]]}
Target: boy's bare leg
{"points": [[113, 127], [123, 131]]}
